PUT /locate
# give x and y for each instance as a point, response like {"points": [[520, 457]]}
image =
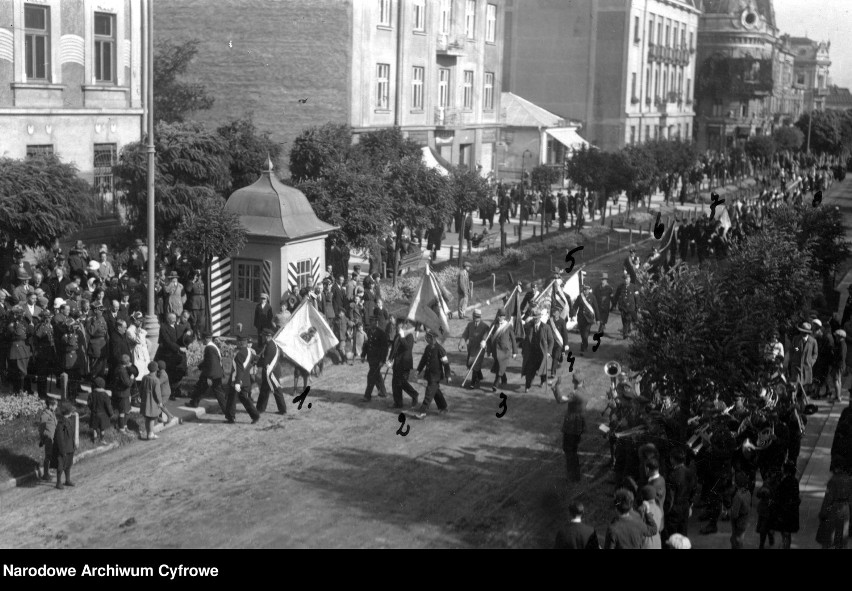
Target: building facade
{"points": [[746, 84], [812, 63], [71, 84], [625, 68], [430, 67]]}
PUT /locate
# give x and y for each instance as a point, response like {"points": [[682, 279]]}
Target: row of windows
{"points": [[385, 18], [417, 83], [672, 30], [37, 44], [104, 187], [672, 81], [674, 132]]}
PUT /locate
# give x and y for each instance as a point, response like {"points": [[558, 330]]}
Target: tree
{"points": [[788, 138], [761, 149], [211, 231], [174, 99], [467, 191], [417, 198], [248, 150], [825, 133], [192, 164], [318, 147], [41, 201], [642, 170], [386, 146]]}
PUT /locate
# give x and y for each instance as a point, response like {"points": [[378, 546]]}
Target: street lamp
{"points": [[152, 326]]}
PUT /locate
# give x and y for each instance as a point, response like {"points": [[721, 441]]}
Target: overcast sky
{"points": [[821, 20]]}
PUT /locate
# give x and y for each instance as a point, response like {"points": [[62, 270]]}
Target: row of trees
{"points": [[703, 331], [378, 185]]}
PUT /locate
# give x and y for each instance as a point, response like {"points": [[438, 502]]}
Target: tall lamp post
{"points": [[523, 180], [152, 326]]}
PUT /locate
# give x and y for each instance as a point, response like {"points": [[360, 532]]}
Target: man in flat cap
{"points": [[473, 337], [436, 366]]}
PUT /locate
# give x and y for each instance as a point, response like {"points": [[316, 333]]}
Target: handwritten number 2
{"points": [[569, 258], [502, 406], [401, 419]]}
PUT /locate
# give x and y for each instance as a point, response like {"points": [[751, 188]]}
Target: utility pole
{"points": [[152, 325]]}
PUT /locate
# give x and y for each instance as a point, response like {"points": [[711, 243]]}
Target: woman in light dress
{"points": [[139, 338]]}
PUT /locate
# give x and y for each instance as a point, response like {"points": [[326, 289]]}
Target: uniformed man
{"points": [[19, 352], [241, 382], [632, 264], [603, 296], [269, 361], [436, 367], [474, 336], [376, 353], [560, 335], [97, 330], [627, 300], [44, 351], [402, 360], [585, 309]]}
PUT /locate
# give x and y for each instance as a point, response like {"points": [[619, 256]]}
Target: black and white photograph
{"points": [[410, 274]]}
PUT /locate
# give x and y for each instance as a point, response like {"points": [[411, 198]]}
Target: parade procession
{"points": [[354, 266]]}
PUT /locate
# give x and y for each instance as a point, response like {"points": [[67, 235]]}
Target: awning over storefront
{"points": [[433, 160], [568, 137]]}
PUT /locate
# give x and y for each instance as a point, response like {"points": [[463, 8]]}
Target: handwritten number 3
{"points": [[569, 258], [502, 406]]}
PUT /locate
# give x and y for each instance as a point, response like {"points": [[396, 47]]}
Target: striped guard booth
{"points": [[220, 296], [293, 274]]}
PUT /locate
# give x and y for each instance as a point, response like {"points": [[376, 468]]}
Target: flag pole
{"points": [[482, 350]]}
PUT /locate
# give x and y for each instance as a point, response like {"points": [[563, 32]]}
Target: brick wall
{"points": [[279, 52]]}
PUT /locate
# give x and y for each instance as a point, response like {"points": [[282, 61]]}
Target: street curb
{"points": [[597, 259], [12, 483]]}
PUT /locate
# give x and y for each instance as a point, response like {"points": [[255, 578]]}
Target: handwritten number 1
{"points": [[301, 398]]}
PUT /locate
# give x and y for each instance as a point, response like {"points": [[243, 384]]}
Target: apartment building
{"points": [[812, 63]]}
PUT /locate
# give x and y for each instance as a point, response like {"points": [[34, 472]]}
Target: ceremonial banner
{"points": [[723, 217], [512, 308], [306, 337], [429, 307]]}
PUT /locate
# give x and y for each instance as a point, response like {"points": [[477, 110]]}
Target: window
{"points": [[489, 91], [248, 282], [37, 41], [686, 132], [444, 87], [691, 40], [632, 134], [446, 16], [104, 47], [382, 86], [491, 23], [633, 85], [470, 19], [417, 87], [636, 29], [648, 83], [303, 274], [647, 132], [800, 79], [651, 31], [660, 34], [419, 15], [668, 38], [103, 183], [688, 89], [40, 150], [385, 13], [468, 89], [683, 38]]}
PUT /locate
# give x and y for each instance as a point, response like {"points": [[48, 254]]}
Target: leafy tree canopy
{"points": [[468, 191], [761, 147], [174, 99], [825, 131], [248, 150], [788, 138], [211, 231], [317, 148]]}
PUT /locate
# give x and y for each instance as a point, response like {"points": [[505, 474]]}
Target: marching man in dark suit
{"points": [[268, 362], [537, 348], [603, 297], [474, 336], [212, 372], [502, 346], [560, 336], [241, 382], [585, 309], [627, 301], [171, 352], [376, 353], [803, 355], [402, 360], [436, 366]]}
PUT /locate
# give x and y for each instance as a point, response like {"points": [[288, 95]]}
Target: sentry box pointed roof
{"points": [[270, 209]]}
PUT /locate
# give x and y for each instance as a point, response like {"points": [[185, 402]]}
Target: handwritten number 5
{"points": [[569, 258]]}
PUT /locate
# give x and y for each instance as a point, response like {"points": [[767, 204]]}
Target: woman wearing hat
{"points": [[138, 339], [176, 297]]}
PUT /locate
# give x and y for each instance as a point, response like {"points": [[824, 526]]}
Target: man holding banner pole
{"points": [[475, 335]]}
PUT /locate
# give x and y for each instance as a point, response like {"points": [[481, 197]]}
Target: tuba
{"points": [[612, 370]]}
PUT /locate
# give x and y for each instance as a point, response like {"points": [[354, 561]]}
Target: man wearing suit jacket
{"points": [[577, 535], [435, 366], [241, 382], [263, 317], [268, 362], [502, 346], [628, 530], [338, 296], [113, 316], [537, 347], [211, 370], [681, 487], [172, 353], [119, 345], [585, 308], [32, 311], [803, 355], [560, 336], [402, 360]]}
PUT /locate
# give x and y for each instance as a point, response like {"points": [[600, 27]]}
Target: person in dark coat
{"points": [[627, 301], [785, 508], [603, 297], [376, 353], [20, 353], [740, 509], [241, 382], [196, 302], [537, 347], [122, 384], [577, 535], [380, 317], [63, 445], [681, 488], [100, 410], [474, 337], [44, 352], [338, 296], [585, 309], [502, 346], [173, 353], [573, 427], [628, 530], [152, 399], [212, 372], [47, 431], [435, 366], [263, 317], [119, 345], [269, 363], [401, 358], [97, 331]]}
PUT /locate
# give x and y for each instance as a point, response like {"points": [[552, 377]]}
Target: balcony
{"points": [[447, 117], [450, 45]]}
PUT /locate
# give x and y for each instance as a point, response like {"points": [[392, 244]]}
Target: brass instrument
{"points": [[699, 435], [799, 420], [612, 369]]}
